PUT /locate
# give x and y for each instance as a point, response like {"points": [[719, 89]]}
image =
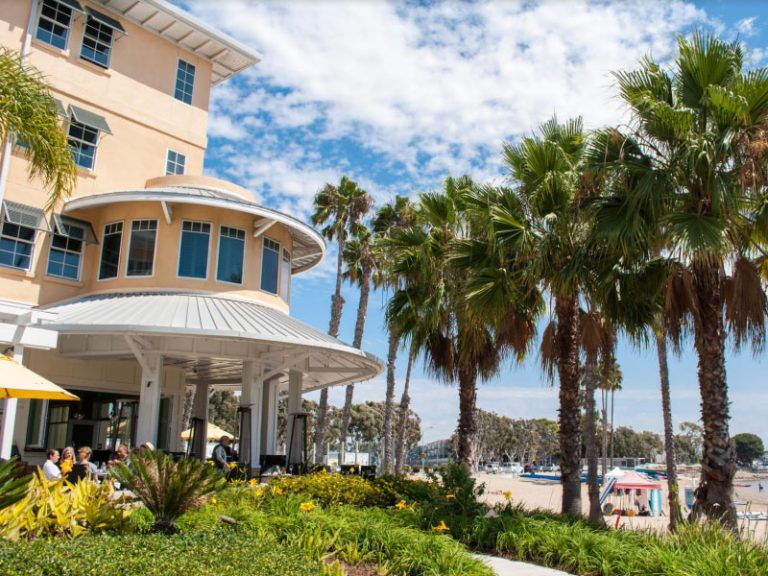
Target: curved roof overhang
{"points": [[308, 244], [209, 336]]}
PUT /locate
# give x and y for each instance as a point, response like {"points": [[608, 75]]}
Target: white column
{"points": [[251, 398], [294, 449], [8, 422], [269, 416], [149, 399], [200, 412]]}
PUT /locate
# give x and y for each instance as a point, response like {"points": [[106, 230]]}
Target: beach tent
{"points": [[640, 489], [17, 381]]}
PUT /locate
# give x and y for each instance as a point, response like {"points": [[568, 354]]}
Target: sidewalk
{"points": [[504, 567]]}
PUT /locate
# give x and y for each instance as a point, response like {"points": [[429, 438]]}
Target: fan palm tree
{"points": [[339, 210], [430, 308], [391, 216], [28, 116], [694, 159], [359, 255], [541, 222]]}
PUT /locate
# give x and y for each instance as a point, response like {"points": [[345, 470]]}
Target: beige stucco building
{"points": [[151, 278]]}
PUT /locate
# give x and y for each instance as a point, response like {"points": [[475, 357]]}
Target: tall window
{"points": [[36, 424], [110, 250], [141, 252], [174, 163], [66, 251], [83, 141], [285, 276], [54, 23], [193, 252], [231, 251], [270, 265], [185, 82], [97, 40]]}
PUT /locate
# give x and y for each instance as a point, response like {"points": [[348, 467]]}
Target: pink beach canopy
{"points": [[634, 481]]}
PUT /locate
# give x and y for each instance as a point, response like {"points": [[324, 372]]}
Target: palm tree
{"points": [[542, 221], [28, 115], [359, 255], [430, 308], [391, 216], [694, 156], [403, 408], [339, 209]]}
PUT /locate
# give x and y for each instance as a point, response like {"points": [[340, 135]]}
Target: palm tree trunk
{"points": [[613, 405], [389, 402], [604, 419], [337, 305], [714, 496], [593, 488], [569, 417], [467, 421], [675, 516], [362, 310], [402, 425]]}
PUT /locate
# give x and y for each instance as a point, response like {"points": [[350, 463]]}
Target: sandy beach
{"points": [[547, 495]]}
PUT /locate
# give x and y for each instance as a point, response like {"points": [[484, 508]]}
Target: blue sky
{"points": [[399, 95]]}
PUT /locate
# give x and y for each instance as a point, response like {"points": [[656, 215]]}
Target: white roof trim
{"points": [[227, 56], [309, 252]]}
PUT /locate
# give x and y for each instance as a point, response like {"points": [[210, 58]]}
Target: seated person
{"points": [[84, 459], [122, 456], [222, 454], [67, 460], [50, 469]]}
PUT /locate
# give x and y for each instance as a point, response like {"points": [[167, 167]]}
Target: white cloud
{"points": [[426, 91]]}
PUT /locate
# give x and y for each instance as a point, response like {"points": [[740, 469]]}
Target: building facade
{"points": [[151, 278]]}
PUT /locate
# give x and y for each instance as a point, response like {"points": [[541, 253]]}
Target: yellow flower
{"points": [[253, 481], [213, 500], [259, 493], [66, 467], [441, 527], [277, 491], [400, 505], [507, 495], [210, 462], [450, 497], [306, 507], [232, 465]]}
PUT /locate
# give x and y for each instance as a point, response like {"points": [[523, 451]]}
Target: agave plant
{"points": [[13, 486], [167, 487]]}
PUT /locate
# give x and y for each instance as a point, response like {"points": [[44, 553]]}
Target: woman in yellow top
{"points": [[67, 460]]}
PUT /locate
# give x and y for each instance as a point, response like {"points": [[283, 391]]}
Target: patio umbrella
{"points": [[214, 433], [17, 381]]}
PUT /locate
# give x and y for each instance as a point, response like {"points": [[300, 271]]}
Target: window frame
{"points": [[218, 254], [96, 40], [208, 255], [280, 279], [176, 82], [67, 27], [80, 141], [175, 162], [41, 425], [17, 239], [119, 253], [130, 244], [279, 261], [67, 250]]}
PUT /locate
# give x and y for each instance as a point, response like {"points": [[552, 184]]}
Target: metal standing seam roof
{"points": [[226, 55], [308, 245]]}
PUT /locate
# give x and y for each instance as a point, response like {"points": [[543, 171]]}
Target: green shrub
{"points": [[328, 489], [167, 487], [13, 486]]}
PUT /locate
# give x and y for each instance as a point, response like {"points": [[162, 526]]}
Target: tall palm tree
{"points": [[339, 210], [402, 422], [391, 216], [542, 220], [359, 255], [695, 156], [28, 115], [430, 308]]}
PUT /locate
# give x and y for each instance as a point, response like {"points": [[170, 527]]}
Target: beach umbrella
{"points": [[17, 381], [213, 433]]}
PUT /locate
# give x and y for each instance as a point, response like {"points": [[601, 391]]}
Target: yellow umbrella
{"points": [[17, 381], [214, 433]]}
